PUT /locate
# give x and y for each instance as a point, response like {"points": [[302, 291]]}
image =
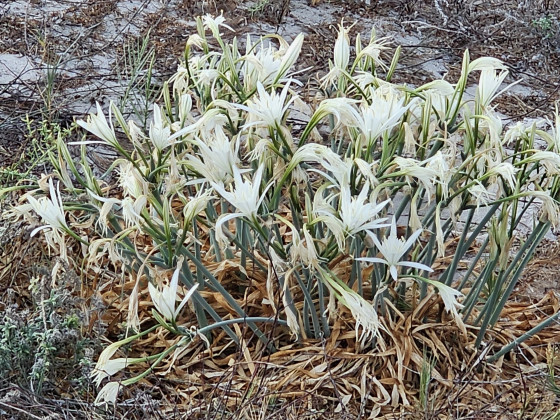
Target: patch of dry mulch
{"points": [[311, 378]]}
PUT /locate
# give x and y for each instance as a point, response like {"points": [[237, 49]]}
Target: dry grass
{"points": [[330, 378]]}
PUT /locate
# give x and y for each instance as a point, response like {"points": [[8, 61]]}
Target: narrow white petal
{"points": [[108, 394]]}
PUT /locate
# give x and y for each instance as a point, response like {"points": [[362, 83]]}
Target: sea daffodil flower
{"points": [[393, 249], [100, 127], [268, 108], [214, 23], [165, 299], [113, 366], [245, 197], [354, 215], [449, 296], [49, 209], [363, 311], [341, 55], [159, 133], [108, 394]]}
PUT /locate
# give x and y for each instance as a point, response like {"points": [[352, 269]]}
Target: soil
{"points": [[84, 45]]}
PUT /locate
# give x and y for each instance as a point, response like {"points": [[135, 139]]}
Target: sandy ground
{"points": [[82, 46]]}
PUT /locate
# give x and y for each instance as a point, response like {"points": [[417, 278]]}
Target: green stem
{"points": [[541, 326]]}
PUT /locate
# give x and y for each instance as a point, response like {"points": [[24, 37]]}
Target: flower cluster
{"points": [[222, 175]]}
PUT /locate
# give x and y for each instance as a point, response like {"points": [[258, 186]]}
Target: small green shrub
{"points": [[547, 25], [34, 155], [42, 343]]}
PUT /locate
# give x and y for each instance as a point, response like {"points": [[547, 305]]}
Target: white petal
{"points": [[108, 394]]}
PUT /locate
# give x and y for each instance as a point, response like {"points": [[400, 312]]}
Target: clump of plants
{"points": [[361, 202], [547, 25], [42, 343]]}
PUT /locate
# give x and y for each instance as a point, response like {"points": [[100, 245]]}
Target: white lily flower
{"points": [[381, 116], [310, 257], [164, 300], [259, 66], [268, 108], [104, 363], [506, 171], [364, 79], [413, 168], [108, 394], [367, 169], [289, 57], [196, 205], [373, 51], [98, 125], [440, 164], [132, 210], [214, 23], [341, 56], [441, 87], [136, 134], [132, 182], [49, 209], [104, 247], [488, 86], [481, 195], [175, 181], [439, 93], [262, 152], [196, 40], [113, 366], [354, 215], [491, 125], [159, 133], [550, 210], [185, 107], [205, 127], [326, 157], [341, 170], [219, 157], [393, 249], [245, 197], [207, 77], [268, 65], [363, 311], [181, 79], [298, 250], [449, 296], [486, 63], [552, 138], [342, 47], [105, 209], [135, 189], [340, 108], [550, 161], [515, 132]]}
